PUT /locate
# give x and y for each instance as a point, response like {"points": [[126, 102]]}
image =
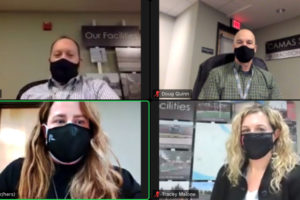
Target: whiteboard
{"points": [[209, 149]]}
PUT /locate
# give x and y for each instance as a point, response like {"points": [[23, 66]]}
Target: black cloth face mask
{"points": [[68, 144], [257, 145], [244, 54], [63, 70]]}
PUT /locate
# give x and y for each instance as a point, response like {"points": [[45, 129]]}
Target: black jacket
{"points": [[290, 189], [9, 179]]}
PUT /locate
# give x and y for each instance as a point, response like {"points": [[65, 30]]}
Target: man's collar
{"points": [[239, 68], [54, 83]]}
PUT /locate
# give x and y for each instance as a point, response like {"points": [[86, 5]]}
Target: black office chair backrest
{"points": [[217, 61], [28, 86]]}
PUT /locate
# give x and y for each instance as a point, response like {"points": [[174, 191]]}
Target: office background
{"points": [[192, 137], [25, 47], [185, 26]]}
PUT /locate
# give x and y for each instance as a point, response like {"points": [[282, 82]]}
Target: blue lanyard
{"points": [[238, 82]]}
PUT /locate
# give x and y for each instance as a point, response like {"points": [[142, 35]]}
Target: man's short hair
{"points": [[69, 38]]}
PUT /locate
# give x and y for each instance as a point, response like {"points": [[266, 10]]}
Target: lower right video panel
{"points": [[228, 149]]}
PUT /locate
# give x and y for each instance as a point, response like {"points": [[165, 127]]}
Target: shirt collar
{"points": [[72, 81], [239, 69]]}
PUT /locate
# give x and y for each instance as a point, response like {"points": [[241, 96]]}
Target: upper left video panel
{"points": [[73, 49]]}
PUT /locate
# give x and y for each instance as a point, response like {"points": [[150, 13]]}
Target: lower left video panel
{"points": [[74, 150]]}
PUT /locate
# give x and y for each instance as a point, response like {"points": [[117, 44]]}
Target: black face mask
{"points": [[68, 144], [244, 54], [63, 70], [257, 145]]}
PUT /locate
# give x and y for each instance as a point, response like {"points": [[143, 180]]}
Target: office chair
{"points": [[217, 61], [28, 86]]}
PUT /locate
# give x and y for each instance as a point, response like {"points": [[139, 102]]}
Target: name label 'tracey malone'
{"points": [[283, 48]]}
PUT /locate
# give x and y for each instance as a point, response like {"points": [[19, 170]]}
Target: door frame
{"points": [[223, 28]]}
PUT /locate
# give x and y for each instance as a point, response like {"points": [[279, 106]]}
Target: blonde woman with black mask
{"points": [[261, 162], [67, 156]]}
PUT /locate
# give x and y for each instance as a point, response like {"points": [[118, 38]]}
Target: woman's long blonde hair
{"points": [[283, 158], [96, 179]]}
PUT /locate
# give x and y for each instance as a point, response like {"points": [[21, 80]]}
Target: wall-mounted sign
{"points": [[129, 59], [98, 55], [111, 36], [235, 24], [283, 48], [207, 50], [179, 110]]}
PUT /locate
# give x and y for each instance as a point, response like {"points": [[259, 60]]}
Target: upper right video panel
{"points": [[229, 49]]}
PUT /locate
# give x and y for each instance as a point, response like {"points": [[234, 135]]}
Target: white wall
{"points": [[166, 25], [121, 121], [206, 36], [286, 71], [195, 28], [180, 58]]}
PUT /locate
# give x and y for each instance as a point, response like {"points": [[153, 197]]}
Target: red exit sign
{"points": [[236, 24]]}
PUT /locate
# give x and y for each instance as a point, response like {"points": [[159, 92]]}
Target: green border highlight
{"points": [[142, 101]]}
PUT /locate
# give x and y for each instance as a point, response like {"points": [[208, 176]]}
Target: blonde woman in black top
{"points": [[261, 162], [67, 156]]}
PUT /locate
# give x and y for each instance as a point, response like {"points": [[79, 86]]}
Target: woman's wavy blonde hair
{"points": [[96, 179], [283, 158]]}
